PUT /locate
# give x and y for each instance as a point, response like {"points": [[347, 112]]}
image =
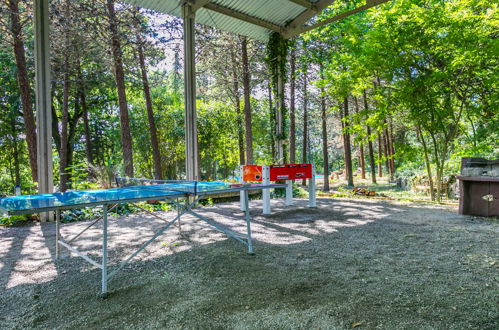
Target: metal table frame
{"points": [[186, 208]]}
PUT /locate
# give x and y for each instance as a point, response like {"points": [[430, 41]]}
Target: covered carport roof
{"points": [[256, 19]]}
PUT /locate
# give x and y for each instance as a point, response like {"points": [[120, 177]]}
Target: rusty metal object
{"points": [[479, 187]]}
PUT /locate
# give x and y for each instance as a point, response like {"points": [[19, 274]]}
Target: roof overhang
{"points": [[257, 19]]}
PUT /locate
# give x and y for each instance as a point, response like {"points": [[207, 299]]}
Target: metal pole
{"points": [[248, 221], [104, 251], [311, 190], [57, 233], [289, 192], [43, 101], [241, 193], [266, 192], [191, 140], [178, 215]]}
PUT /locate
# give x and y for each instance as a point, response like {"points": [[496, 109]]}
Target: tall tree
{"points": [[237, 105], [272, 118], [305, 121], [82, 96], [362, 163], [380, 156], [346, 143], [247, 101], [156, 154], [64, 139], [372, 163], [126, 136], [24, 86], [292, 109], [325, 155]]}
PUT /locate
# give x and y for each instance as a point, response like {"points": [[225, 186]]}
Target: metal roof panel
{"points": [[278, 12]]}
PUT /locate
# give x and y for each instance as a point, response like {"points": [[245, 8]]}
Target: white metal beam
{"points": [[196, 4], [336, 18], [43, 102], [303, 18]]}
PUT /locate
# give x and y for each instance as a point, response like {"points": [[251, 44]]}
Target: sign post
{"points": [[311, 190], [266, 192]]}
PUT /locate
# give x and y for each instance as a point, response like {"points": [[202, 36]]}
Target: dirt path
{"points": [[376, 263]]}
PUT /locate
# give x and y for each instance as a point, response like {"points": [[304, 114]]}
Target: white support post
{"points": [[191, 136], [57, 233], [43, 100], [104, 276], [266, 192], [248, 221], [241, 193], [289, 192], [311, 190]]}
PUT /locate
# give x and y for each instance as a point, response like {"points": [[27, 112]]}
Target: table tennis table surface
{"points": [[26, 204]]}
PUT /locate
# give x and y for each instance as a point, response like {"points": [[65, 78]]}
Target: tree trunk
{"points": [[370, 144], [156, 155], [272, 124], [362, 162], [305, 123], [15, 147], [345, 171], [86, 127], [427, 161], [380, 157], [392, 147], [63, 153], [24, 87], [292, 116], [387, 154], [126, 137], [348, 148], [247, 104], [439, 164], [237, 105], [372, 163], [72, 129], [324, 134]]}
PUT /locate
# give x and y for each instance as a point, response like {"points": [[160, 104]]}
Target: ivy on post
{"points": [[277, 51]]}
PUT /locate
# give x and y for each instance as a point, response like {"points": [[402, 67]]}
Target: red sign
{"points": [[290, 172], [252, 173], [278, 172]]}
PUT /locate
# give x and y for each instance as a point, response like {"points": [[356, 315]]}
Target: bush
{"points": [[13, 220]]}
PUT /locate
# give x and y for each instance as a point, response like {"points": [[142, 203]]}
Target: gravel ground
{"points": [[348, 263]]}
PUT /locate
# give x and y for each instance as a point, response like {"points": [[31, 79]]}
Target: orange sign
{"points": [[252, 173]]}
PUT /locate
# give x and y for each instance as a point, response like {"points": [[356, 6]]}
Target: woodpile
{"points": [[364, 192]]}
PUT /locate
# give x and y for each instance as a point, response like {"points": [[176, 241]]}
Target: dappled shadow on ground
{"points": [[376, 263]]}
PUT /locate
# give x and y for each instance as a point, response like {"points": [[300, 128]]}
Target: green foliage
{"points": [[429, 69], [277, 51], [13, 220]]}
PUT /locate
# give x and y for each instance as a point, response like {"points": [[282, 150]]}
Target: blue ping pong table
{"points": [[183, 194]]}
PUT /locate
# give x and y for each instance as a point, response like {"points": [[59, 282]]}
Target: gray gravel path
{"points": [[349, 263]]}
